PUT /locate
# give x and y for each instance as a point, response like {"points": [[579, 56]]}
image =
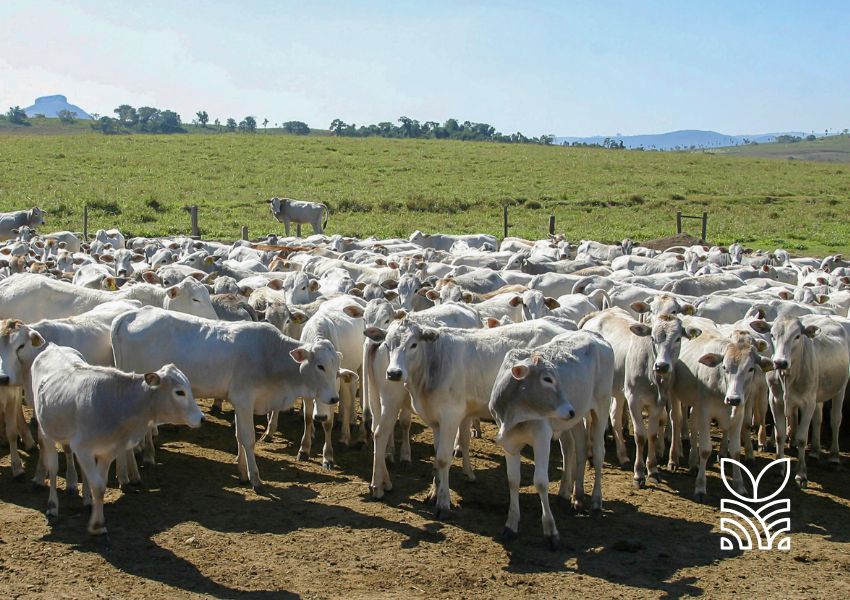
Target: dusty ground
{"points": [[196, 531]]}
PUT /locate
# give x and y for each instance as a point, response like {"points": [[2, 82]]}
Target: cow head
{"points": [[19, 345], [173, 399], [406, 343], [738, 364], [535, 305], [665, 334], [790, 339], [190, 296], [36, 216], [319, 368]]}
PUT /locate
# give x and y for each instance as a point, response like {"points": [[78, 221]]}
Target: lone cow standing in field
{"points": [[287, 210]]}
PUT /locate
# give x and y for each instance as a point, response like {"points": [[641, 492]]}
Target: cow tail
{"points": [[327, 216]]}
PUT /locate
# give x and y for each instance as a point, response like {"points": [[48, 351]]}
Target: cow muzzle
{"points": [[394, 374], [733, 400], [780, 363], [662, 367]]}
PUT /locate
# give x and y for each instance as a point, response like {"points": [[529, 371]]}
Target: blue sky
{"points": [[568, 68]]}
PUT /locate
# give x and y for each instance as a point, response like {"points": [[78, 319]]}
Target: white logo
{"points": [[758, 518]]}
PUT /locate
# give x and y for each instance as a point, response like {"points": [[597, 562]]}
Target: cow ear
{"points": [[380, 262], [199, 276], [300, 354], [640, 329], [16, 231], [423, 291], [172, 292], [688, 309], [640, 307], [375, 334], [785, 295], [400, 314], [355, 292], [149, 276], [761, 345], [811, 331], [429, 335], [519, 372], [275, 284], [390, 295], [432, 295], [107, 258], [515, 301], [492, 322], [347, 376], [760, 326], [152, 379], [765, 363], [209, 260], [551, 303], [35, 339], [692, 332], [314, 285], [353, 310], [389, 284], [823, 298], [467, 297], [712, 359], [392, 264], [298, 316]]}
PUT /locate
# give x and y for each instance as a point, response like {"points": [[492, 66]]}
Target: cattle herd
{"points": [[106, 339]]}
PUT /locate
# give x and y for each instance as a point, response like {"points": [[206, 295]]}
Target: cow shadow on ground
{"points": [[185, 487]]}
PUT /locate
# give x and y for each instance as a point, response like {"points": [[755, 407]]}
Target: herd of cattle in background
{"points": [[109, 338]]}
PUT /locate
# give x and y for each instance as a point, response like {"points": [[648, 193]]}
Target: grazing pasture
{"points": [[389, 187]]}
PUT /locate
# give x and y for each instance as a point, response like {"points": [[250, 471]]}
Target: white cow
{"points": [[289, 211], [548, 390], [100, 412], [33, 217], [252, 365]]}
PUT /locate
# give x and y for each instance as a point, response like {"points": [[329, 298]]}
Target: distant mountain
{"points": [[50, 106], [680, 140]]}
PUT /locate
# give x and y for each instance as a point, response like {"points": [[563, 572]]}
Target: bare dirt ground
{"points": [[197, 532]]}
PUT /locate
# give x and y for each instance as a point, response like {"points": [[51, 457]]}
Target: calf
{"points": [[547, 390], [100, 412]]}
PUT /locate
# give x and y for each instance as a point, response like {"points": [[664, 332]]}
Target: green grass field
{"points": [[829, 149], [391, 187]]}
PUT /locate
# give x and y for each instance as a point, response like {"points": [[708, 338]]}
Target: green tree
{"points": [[338, 126], [265, 122], [67, 116], [217, 124], [169, 122], [127, 115], [296, 127], [107, 125], [17, 115], [203, 117], [248, 125], [231, 124], [147, 115]]}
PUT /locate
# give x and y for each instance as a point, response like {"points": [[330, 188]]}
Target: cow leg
{"points": [[635, 410], [541, 445], [618, 404], [133, 474], [675, 435], [512, 465], [346, 407], [746, 437], [405, 420], [735, 428], [215, 409], [694, 432], [51, 460], [307, 438], [476, 428], [23, 427], [817, 421], [10, 410], [568, 467], [598, 458], [271, 426], [661, 436], [443, 460], [431, 498], [703, 443], [801, 439], [464, 435], [657, 416], [245, 438], [286, 225], [580, 435], [835, 425], [327, 447], [384, 422], [71, 478], [95, 470]]}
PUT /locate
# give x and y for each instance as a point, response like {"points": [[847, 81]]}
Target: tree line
{"points": [[452, 129]]}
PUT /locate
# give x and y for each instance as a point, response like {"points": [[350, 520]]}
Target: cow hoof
{"points": [[457, 453], [700, 497], [359, 445], [441, 514], [101, 539], [802, 482], [554, 542], [37, 487], [653, 479], [128, 488], [303, 455], [508, 534], [639, 482], [578, 505], [835, 465], [52, 517], [596, 512], [470, 477], [148, 463], [19, 478], [259, 489], [377, 492], [328, 465], [404, 463], [625, 464], [672, 467], [215, 410], [72, 492], [476, 434]]}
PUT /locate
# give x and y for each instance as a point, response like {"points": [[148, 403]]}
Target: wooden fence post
{"points": [[678, 222], [505, 220], [85, 222], [552, 224], [245, 232], [704, 225]]}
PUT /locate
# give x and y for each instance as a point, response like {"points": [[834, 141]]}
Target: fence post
{"points": [[298, 230], [704, 225], [505, 220], [193, 213], [551, 224], [245, 232], [85, 222], [678, 222]]}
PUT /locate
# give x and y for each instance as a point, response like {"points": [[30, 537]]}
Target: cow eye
{"points": [[413, 345], [798, 337], [21, 347], [195, 300], [548, 379], [321, 367], [752, 369], [180, 393]]}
